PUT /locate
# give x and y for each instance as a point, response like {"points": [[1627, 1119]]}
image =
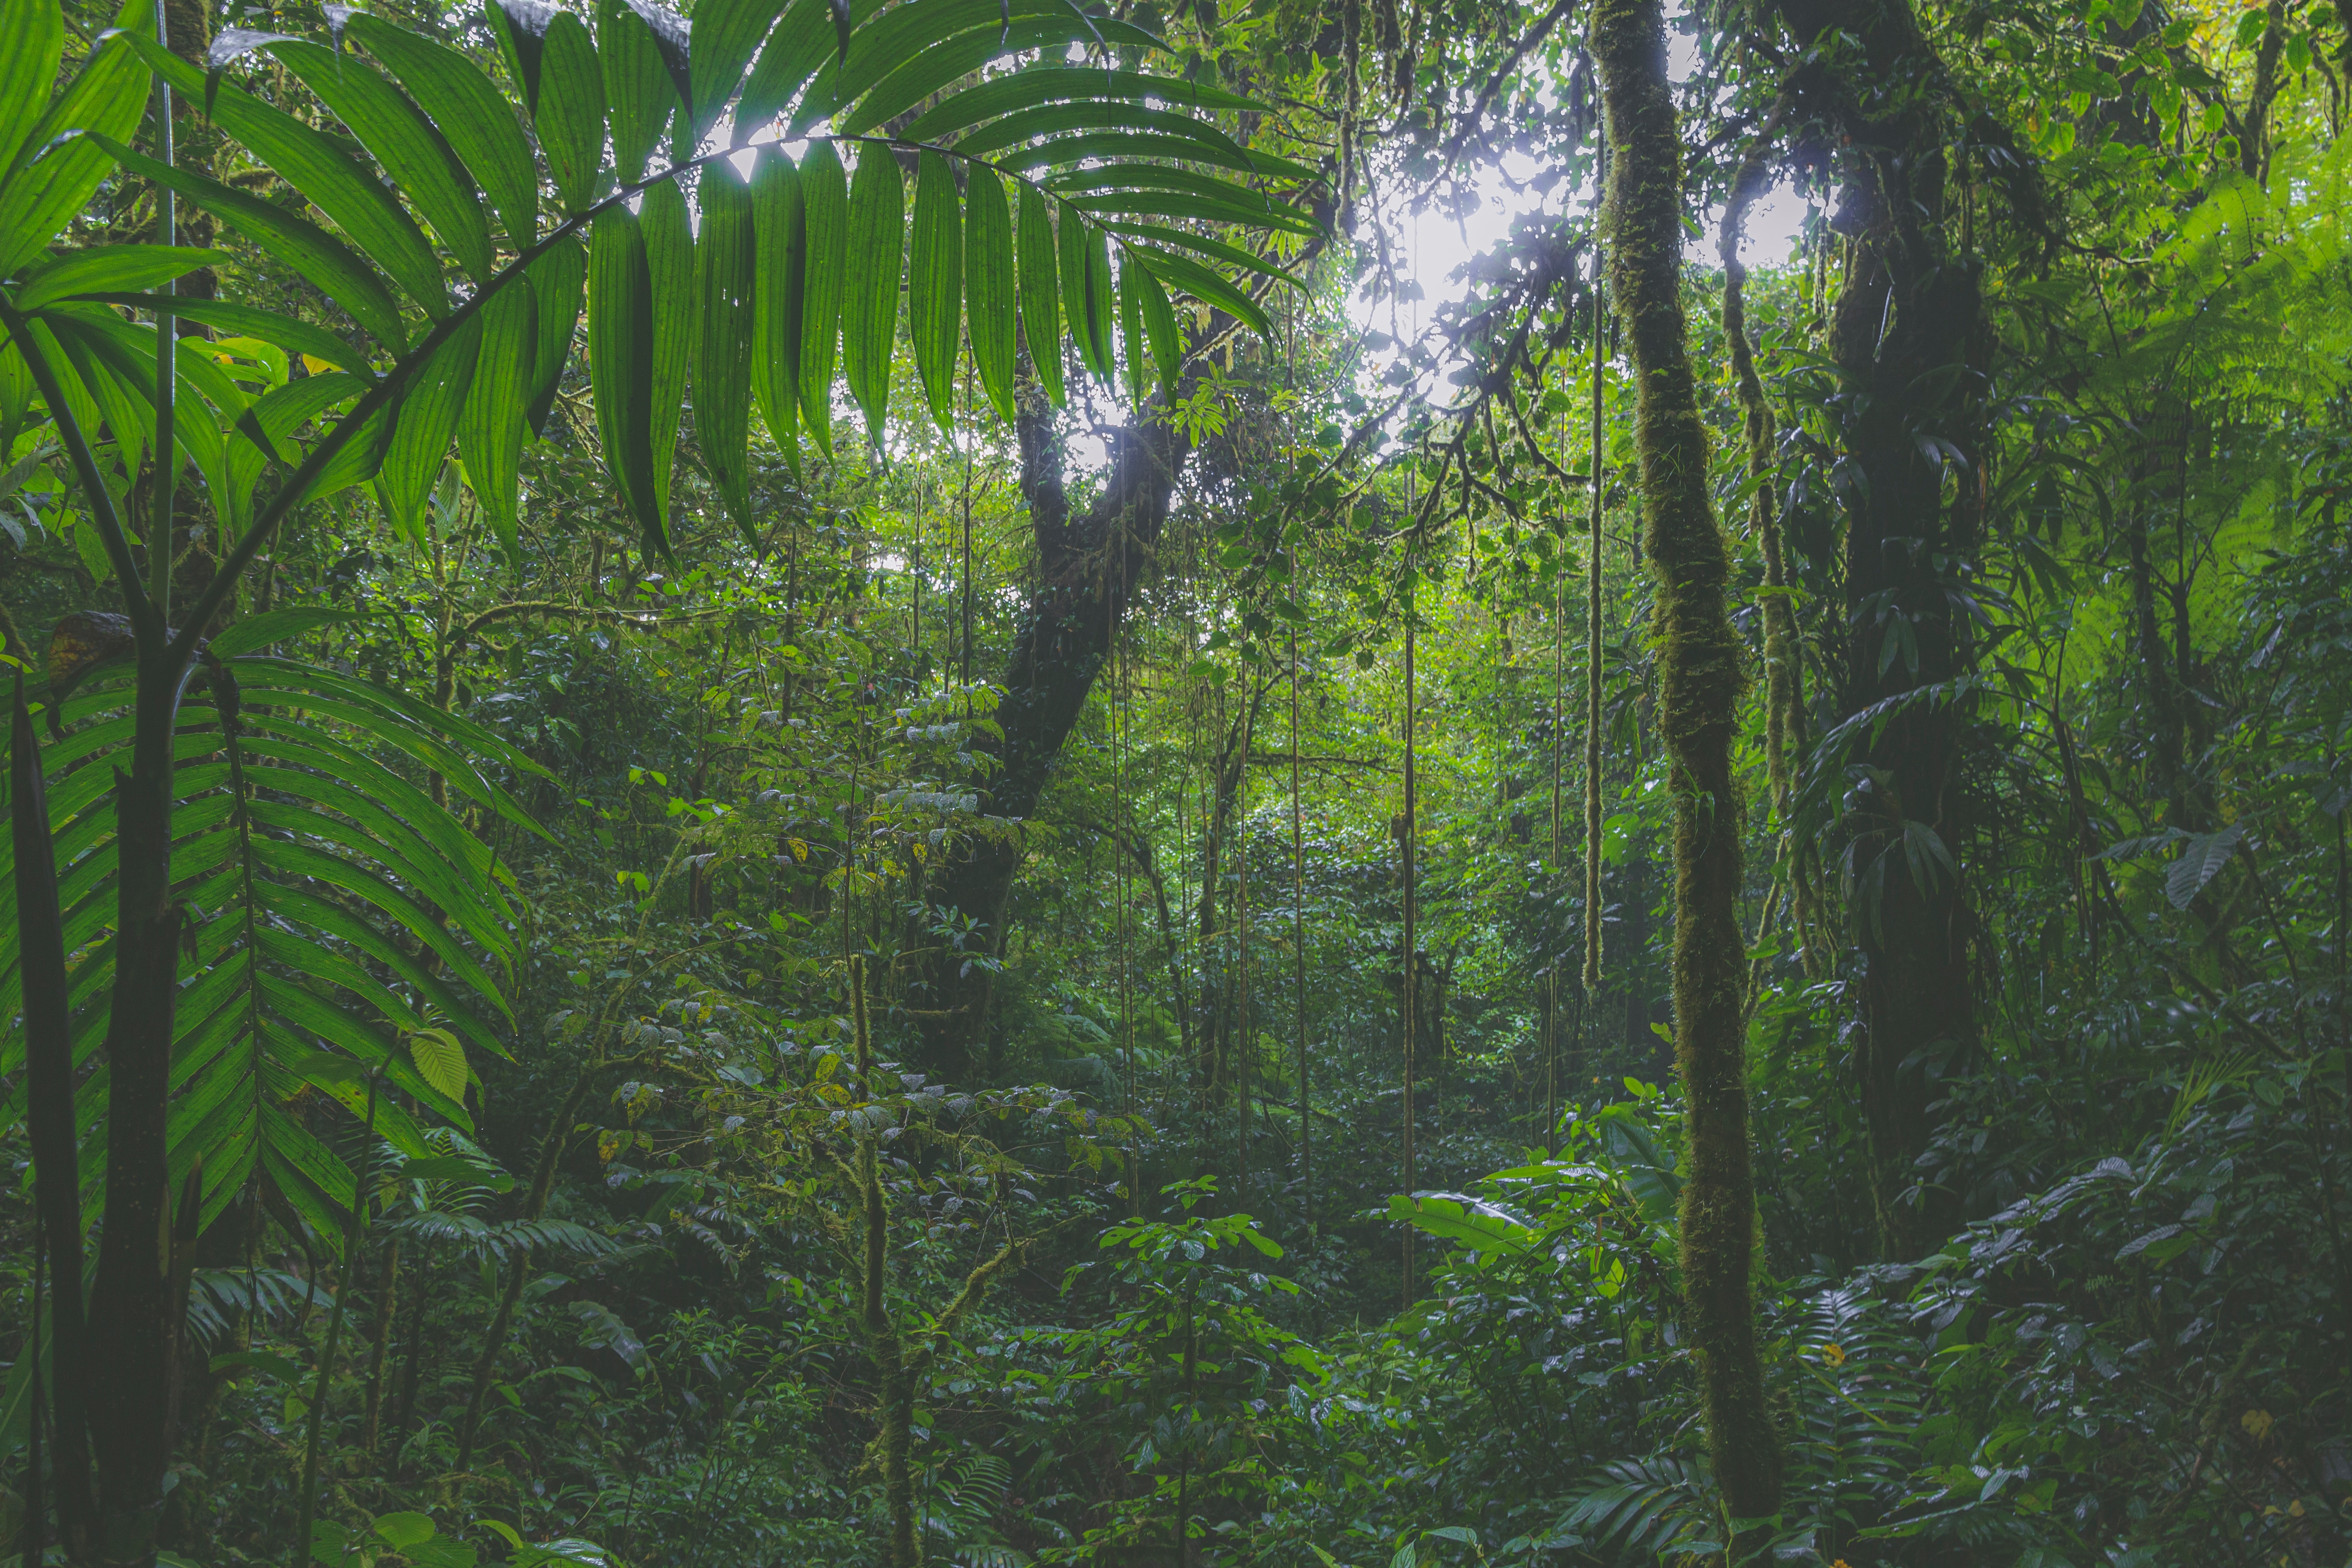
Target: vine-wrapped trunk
{"points": [[1699, 688]]}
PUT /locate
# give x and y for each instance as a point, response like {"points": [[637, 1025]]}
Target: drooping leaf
{"points": [[105, 269], [722, 365], [935, 284], [325, 174], [571, 113], [428, 419], [621, 362], [2202, 855], [781, 245], [1159, 328], [491, 428], [30, 46], [422, 165], [725, 34], [869, 299], [989, 316], [1131, 327], [470, 112], [558, 282], [638, 96], [1040, 303], [1095, 343], [322, 260], [1205, 285], [669, 271], [522, 27], [108, 97], [824, 198]]}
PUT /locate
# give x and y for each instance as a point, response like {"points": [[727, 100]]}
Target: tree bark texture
{"points": [[1699, 688]]}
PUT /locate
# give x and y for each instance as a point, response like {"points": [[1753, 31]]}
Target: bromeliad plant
{"points": [[456, 254]]}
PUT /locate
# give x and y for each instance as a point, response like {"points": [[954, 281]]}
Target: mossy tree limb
{"points": [[1699, 690]]}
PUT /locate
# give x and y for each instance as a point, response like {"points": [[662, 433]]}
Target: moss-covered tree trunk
{"points": [[1700, 687]]}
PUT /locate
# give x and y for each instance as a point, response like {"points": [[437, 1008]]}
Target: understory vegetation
{"points": [[998, 783]]}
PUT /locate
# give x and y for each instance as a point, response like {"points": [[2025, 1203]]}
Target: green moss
{"points": [[1700, 683]]}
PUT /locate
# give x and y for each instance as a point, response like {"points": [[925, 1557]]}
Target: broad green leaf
{"points": [[322, 260], [780, 246], [1051, 83], [491, 430], [621, 362], [944, 59], [108, 97], [638, 95], [722, 365], [428, 419], [1176, 135], [824, 196], [961, 35], [1101, 311], [935, 284], [990, 318], [1206, 286], [557, 280], [869, 296], [571, 114], [253, 633], [472, 114], [1471, 1221], [1161, 236], [441, 1059], [1131, 327], [669, 268], [1084, 258], [1187, 204], [801, 42], [122, 400], [421, 164], [326, 175], [104, 268], [1159, 328], [725, 34], [522, 27], [1040, 303], [30, 46], [295, 861]]}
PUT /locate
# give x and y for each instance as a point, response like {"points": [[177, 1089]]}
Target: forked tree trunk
{"points": [[1699, 688], [1086, 571]]}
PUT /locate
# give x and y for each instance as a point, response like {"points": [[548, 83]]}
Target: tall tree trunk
{"points": [[1700, 687], [1086, 571], [1900, 331]]}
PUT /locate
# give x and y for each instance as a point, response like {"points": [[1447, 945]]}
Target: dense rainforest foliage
{"points": [[1002, 782]]}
